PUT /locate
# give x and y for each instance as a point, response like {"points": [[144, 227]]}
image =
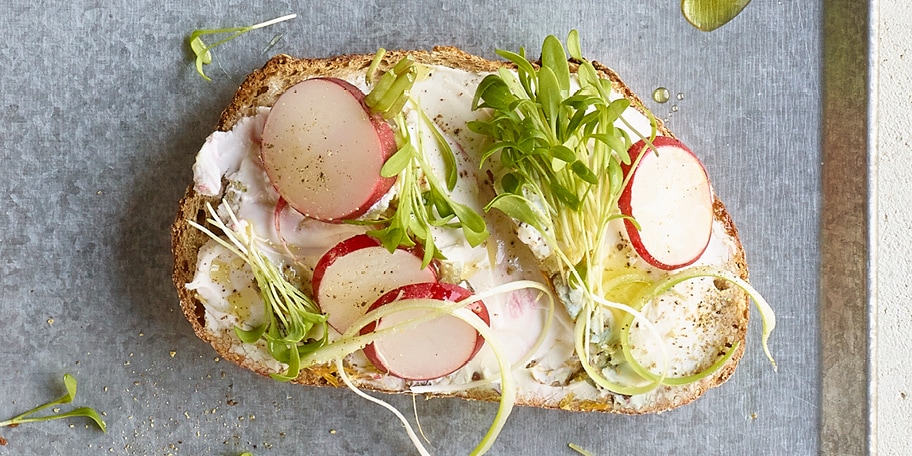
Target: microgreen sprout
{"points": [[203, 51], [561, 153], [559, 156], [295, 327], [70, 382], [424, 200]]}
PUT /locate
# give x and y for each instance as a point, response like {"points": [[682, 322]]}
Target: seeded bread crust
{"points": [[262, 87]]}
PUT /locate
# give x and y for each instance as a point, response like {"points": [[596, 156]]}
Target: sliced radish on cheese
{"points": [[433, 348], [322, 149], [669, 196], [358, 271]]}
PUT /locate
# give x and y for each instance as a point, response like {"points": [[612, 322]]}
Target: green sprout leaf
{"points": [[520, 209], [199, 48], [203, 52], [251, 336], [579, 449], [554, 58], [398, 161], [70, 383], [573, 45]]}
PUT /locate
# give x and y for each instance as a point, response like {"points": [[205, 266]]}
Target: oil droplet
{"points": [[674, 108], [660, 95], [219, 272], [680, 96], [708, 15], [240, 304]]}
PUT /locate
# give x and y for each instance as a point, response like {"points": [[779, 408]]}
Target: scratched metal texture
{"points": [[101, 114]]}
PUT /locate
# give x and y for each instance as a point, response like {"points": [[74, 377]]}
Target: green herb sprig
{"points": [[292, 316], [561, 153], [203, 51], [70, 382], [419, 207]]}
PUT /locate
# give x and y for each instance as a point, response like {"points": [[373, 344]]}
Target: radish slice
{"points": [[322, 150], [669, 196], [358, 271], [432, 349]]}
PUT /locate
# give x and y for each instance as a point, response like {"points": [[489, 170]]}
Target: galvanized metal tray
{"points": [[101, 114]]}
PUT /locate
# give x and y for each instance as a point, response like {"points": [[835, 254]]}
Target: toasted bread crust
{"points": [[263, 86]]}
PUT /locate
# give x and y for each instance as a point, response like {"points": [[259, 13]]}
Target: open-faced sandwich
{"points": [[436, 223]]}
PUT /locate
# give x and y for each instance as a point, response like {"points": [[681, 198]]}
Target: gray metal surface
{"points": [[101, 114], [845, 317]]}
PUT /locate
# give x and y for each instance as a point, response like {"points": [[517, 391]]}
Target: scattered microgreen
{"points": [[579, 449], [203, 51], [424, 201], [70, 382], [294, 327]]}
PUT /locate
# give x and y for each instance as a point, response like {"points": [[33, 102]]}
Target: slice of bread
{"points": [[720, 323]]}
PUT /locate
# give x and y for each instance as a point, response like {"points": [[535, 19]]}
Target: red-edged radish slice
{"points": [[358, 271], [322, 150], [670, 197], [432, 349]]}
